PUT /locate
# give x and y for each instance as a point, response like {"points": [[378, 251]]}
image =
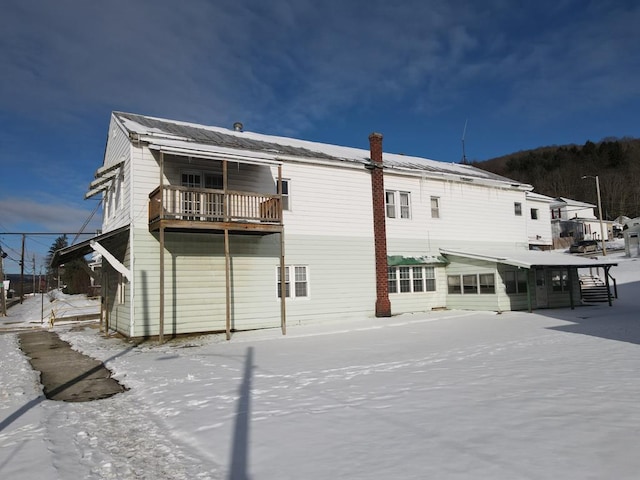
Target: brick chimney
{"points": [[383, 305]]}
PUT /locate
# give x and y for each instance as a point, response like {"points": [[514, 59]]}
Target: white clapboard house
{"points": [[212, 229]]}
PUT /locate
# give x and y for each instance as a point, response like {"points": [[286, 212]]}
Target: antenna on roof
{"points": [[464, 132]]}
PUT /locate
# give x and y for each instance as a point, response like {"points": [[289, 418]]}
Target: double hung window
{"points": [[299, 275], [411, 279], [471, 284], [397, 204]]}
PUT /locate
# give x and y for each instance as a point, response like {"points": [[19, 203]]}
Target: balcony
{"points": [[182, 208]]}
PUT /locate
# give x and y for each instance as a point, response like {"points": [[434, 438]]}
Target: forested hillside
{"points": [[557, 172]]}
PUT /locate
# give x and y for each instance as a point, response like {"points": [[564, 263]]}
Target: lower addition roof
{"points": [[531, 258], [81, 249]]}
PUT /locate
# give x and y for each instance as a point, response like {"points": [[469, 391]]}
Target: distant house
{"points": [[631, 235], [572, 221], [539, 221], [212, 229]]}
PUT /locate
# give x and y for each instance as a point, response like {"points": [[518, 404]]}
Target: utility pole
{"points": [[3, 302], [22, 271], [34, 275]]}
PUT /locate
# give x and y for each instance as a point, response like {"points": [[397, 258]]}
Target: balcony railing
{"points": [[208, 205]]}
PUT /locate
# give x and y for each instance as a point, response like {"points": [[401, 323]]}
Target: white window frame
{"points": [[517, 209], [397, 204], [390, 203], [121, 293], [535, 214], [403, 279], [286, 193], [405, 205], [291, 272], [473, 286], [435, 207]]}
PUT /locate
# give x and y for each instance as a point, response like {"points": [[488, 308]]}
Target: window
{"points": [[393, 199], [390, 204], [213, 181], [405, 279], [435, 207], [471, 284], [556, 213], [453, 283], [487, 283], [405, 205], [418, 284], [300, 281], [392, 283], [121, 290], [286, 197], [534, 214], [517, 208], [559, 280], [515, 281], [411, 279]]}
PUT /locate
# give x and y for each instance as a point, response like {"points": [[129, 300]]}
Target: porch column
{"points": [[283, 287], [227, 272], [161, 234], [570, 281]]}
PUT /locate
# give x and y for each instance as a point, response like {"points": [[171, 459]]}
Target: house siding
{"points": [[118, 149], [195, 292], [476, 301], [468, 212]]}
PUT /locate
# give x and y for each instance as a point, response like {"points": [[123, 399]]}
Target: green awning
{"points": [[398, 260]]}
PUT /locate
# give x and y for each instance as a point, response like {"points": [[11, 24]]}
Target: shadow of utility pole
{"points": [[240, 447]]}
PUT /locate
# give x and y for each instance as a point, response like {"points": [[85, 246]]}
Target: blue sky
{"points": [[521, 74]]}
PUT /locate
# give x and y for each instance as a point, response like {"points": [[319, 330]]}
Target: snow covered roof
{"points": [[190, 136], [539, 197], [530, 258], [573, 203]]}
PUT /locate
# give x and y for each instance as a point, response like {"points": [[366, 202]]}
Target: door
{"points": [[542, 299], [191, 199]]}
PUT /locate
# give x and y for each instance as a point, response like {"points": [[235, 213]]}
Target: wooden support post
{"points": [[283, 287], [570, 282], [227, 270], [529, 300], [606, 280], [161, 234], [161, 319], [106, 300], [225, 196]]}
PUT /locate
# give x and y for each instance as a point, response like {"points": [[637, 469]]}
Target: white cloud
{"points": [[25, 215]]}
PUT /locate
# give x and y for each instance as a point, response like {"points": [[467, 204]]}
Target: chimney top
{"points": [[238, 126]]}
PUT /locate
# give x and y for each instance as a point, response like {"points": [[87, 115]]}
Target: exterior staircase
{"points": [[593, 289]]}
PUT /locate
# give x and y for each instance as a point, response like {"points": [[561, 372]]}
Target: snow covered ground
{"points": [[443, 395]]}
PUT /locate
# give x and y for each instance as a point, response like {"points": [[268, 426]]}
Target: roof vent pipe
{"points": [[237, 126]]}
